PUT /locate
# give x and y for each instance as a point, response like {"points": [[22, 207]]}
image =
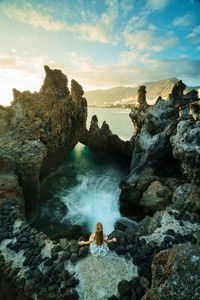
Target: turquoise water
{"points": [[84, 190]]}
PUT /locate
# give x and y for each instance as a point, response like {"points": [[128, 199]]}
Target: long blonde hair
{"points": [[99, 234]]}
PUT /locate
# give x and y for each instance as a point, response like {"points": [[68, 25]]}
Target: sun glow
{"points": [[10, 79]]}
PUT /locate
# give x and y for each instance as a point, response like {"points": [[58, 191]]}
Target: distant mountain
{"points": [[120, 94]]}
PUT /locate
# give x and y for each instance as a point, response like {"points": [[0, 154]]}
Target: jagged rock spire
{"points": [[76, 90], [141, 92], [55, 83]]}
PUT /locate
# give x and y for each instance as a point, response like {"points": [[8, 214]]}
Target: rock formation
{"points": [[39, 129], [103, 142], [162, 191], [166, 150], [175, 274]]}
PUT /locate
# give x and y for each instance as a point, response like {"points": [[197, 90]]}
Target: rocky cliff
{"points": [[38, 130], [162, 189], [166, 152], [160, 256]]}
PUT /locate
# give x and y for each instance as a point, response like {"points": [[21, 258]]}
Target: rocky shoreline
{"points": [[162, 191]]}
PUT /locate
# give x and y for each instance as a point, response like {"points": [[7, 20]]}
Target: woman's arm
{"points": [[113, 240], [81, 243]]}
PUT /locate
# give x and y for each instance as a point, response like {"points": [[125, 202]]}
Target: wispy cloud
{"points": [[184, 21], [150, 40], [27, 14], [194, 35], [97, 28], [157, 4], [131, 69]]}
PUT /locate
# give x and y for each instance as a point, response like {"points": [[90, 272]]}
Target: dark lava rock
{"points": [[54, 256], [55, 249], [135, 282], [64, 275], [175, 274], [120, 226], [130, 235], [142, 242], [177, 216], [139, 292], [145, 270], [168, 240], [37, 275], [113, 298], [83, 251], [67, 253], [72, 282], [178, 238], [124, 288], [70, 294], [170, 213], [74, 257], [170, 232], [144, 282], [120, 250], [63, 286], [48, 262], [190, 238]]}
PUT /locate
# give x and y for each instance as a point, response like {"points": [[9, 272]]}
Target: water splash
{"points": [[94, 199], [83, 190]]}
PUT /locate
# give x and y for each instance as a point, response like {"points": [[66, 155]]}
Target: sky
{"points": [[99, 43]]}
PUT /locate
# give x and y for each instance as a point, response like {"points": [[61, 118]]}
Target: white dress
{"points": [[97, 250]]}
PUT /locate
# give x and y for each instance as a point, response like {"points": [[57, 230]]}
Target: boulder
{"points": [[156, 197], [186, 197], [186, 148], [149, 224], [175, 274]]}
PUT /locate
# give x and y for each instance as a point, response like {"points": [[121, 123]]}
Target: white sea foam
{"points": [[94, 199]]}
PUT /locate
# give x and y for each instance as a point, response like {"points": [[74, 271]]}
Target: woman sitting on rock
{"points": [[98, 242]]}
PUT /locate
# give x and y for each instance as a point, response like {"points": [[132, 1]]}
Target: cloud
{"points": [[157, 4], [131, 69], [28, 15], [150, 40], [98, 28], [184, 21], [194, 36]]}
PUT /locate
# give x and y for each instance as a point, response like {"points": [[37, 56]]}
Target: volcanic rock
{"points": [[175, 274], [42, 127], [103, 142], [156, 197]]}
